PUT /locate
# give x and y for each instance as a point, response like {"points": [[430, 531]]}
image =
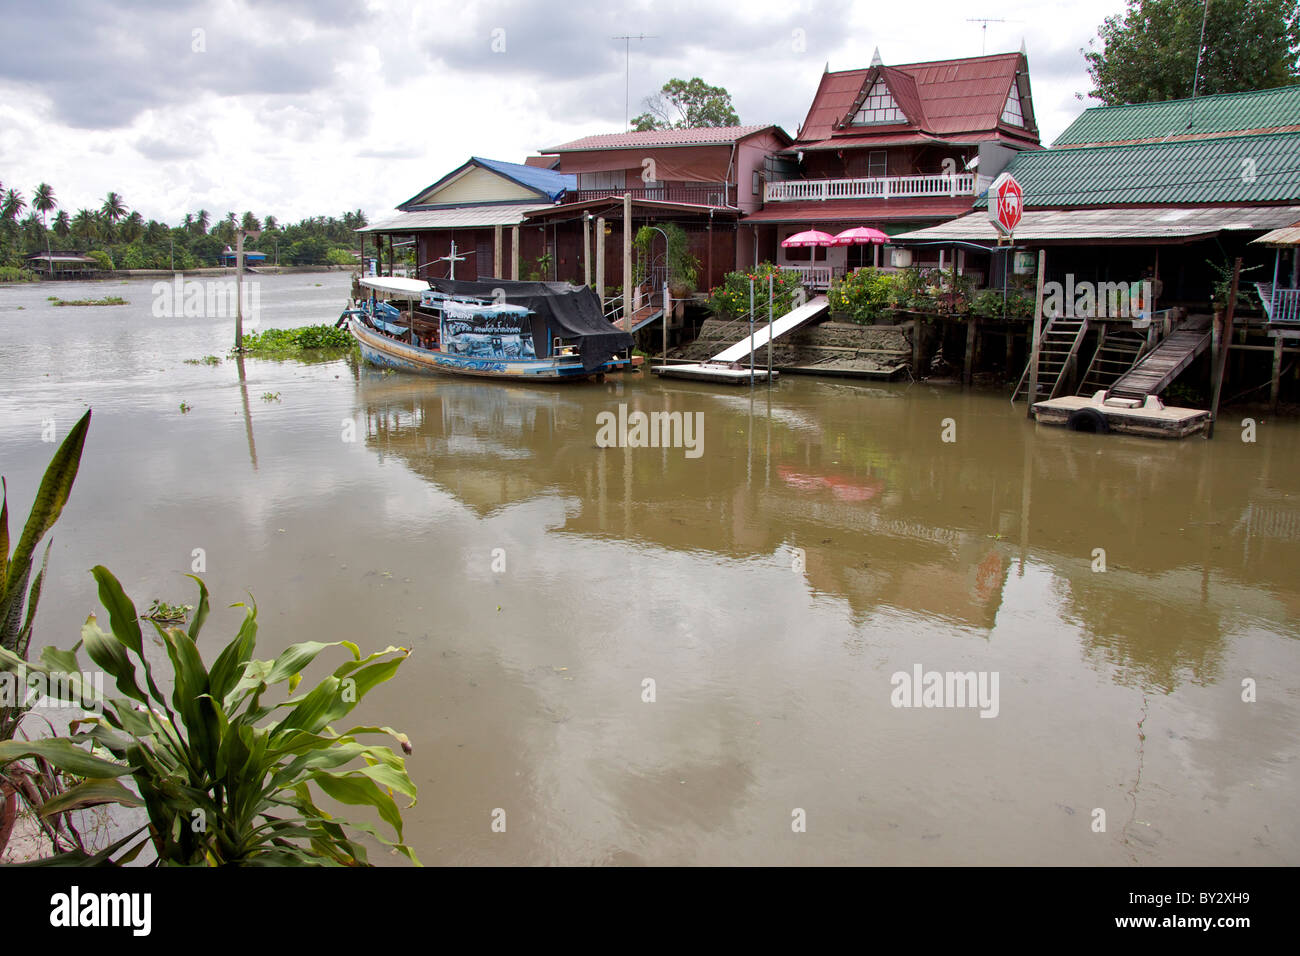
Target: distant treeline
{"points": [[120, 238]]}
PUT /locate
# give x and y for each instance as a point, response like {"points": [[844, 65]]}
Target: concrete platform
{"points": [[1147, 421], [715, 373]]}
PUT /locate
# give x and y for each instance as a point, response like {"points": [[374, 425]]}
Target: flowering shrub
{"points": [[731, 299], [867, 294]]}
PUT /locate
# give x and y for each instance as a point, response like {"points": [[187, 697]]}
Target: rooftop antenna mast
{"points": [[627, 70], [984, 29]]}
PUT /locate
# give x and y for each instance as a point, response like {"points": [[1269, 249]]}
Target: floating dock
{"points": [[726, 374], [1149, 418]]}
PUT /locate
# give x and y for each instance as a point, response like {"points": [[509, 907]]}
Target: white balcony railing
{"points": [[880, 187], [815, 277]]}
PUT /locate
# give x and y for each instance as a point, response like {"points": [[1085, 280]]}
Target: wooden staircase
{"points": [[1118, 350], [1058, 351], [1154, 371]]}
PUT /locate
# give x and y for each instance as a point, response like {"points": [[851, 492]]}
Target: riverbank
{"points": [[124, 274]]}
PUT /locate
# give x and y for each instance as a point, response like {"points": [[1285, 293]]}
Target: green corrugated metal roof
{"points": [[1222, 113], [1231, 169]]}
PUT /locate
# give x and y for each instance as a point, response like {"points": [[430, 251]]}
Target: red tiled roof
{"points": [[900, 139], [940, 97], [866, 211], [696, 136]]}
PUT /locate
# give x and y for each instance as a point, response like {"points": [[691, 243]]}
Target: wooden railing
{"points": [[700, 194], [882, 187]]}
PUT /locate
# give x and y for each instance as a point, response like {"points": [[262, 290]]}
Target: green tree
{"points": [[201, 221], [43, 200], [684, 104], [249, 223], [85, 226], [1150, 53], [113, 208], [62, 224], [12, 205]]}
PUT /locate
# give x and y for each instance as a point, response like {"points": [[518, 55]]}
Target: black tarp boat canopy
{"points": [[571, 312]]}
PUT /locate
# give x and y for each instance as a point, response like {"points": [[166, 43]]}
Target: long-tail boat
{"points": [[539, 331]]}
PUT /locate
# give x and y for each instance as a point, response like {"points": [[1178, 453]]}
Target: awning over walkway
{"points": [[456, 217], [1114, 226]]}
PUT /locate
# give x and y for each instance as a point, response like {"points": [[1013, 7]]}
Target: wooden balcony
{"points": [[881, 187], [699, 194]]}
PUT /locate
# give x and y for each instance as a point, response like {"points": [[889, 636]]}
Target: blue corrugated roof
{"points": [[534, 177]]}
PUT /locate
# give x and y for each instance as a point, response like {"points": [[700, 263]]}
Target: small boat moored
{"points": [[552, 332]]}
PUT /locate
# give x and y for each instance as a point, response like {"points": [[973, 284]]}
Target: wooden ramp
{"points": [[1118, 350], [791, 320], [1057, 352], [640, 318], [1158, 368]]}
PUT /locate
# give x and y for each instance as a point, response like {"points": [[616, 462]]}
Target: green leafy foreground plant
{"points": [[221, 781]]}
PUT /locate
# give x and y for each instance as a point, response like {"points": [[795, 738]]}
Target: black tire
{"points": [[1087, 420]]}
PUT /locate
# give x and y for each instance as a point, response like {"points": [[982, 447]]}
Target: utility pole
{"points": [[627, 72], [239, 286], [453, 259]]}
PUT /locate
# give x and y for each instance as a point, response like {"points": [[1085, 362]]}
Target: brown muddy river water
{"points": [[765, 593]]}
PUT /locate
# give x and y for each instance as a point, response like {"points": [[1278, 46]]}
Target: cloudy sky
{"points": [[311, 107]]}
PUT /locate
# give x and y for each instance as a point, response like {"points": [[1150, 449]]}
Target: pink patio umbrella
{"points": [[860, 236], [811, 237]]}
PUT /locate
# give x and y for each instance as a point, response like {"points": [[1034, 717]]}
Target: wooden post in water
{"points": [[972, 331], [497, 250], [586, 250], [1225, 340], [668, 304], [751, 331], [514, 252], [1037, 336], [239, 290], [600, 260], [627, 262], [1276, 388], [770, 315]]}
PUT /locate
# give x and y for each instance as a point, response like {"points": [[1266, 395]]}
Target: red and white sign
{"points": [[1006, 202]]}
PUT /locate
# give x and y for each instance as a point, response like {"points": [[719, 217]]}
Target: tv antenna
{"points": [[984, 29], [627, 39]]}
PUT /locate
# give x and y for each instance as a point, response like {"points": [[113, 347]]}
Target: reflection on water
{"points": [[826, 538]]}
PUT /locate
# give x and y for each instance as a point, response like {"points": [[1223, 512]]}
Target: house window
{"points": [[757, 181], [877, 163], [1012, 113], [612, 179], [878, 107]]}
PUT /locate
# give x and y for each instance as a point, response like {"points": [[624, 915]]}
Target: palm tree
{"points": [[271, 224], [155, 232], [188, 222], [133, 227], [12, 205], [43, 200], [85, 226], [249, 223], [62, 224], [202, 221], [113, 209]]}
